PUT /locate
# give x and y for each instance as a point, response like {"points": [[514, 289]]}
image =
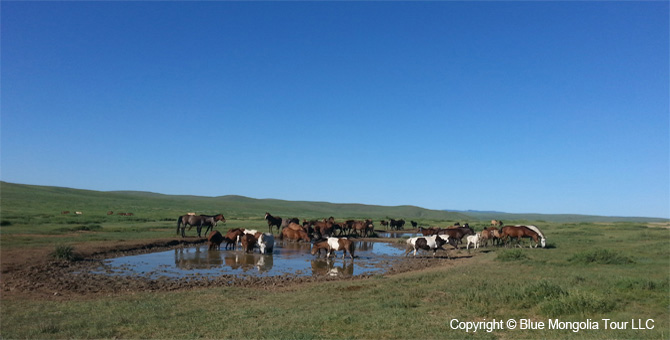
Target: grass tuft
{"points": [[65, 253], [511, 255]]}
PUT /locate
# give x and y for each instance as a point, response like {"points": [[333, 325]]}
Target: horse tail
{"points": [[179, 223]]}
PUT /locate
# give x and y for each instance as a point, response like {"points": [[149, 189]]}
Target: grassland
{"points": [[589, 271]]}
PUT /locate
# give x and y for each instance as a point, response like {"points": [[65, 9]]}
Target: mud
{"points": [[35, 275]]}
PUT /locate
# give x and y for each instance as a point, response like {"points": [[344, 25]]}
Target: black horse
{"points": [[397, 225], [273, 221], [209, 221]]}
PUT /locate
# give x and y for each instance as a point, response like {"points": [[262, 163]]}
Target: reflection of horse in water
{"points": [[247, 262], [327, 267], [188, 258]]}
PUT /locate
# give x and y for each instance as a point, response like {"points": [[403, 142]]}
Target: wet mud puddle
{"points": [[286, 258]]}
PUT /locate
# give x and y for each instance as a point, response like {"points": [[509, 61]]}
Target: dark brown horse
{"points": [[273, 221], [429, 231], [248, 243], [231, 237], [457, 233], [384, 224], [522, 231], [214, 240], [209, 221]]}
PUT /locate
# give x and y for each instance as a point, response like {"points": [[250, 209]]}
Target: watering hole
{"points": [[287, 258]]}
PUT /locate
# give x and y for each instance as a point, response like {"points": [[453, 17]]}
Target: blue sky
{"points": [[546, 107]]}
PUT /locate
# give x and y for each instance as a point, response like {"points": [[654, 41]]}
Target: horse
{"points": [[457, 233], [399, 224], [429, 231], [414, 224], [286, 221], [490, 233], [110, 213], [384, 224], [214, 240], [65, 212], [231, 237], [361, 228], [433, 243], [266, 242], [248, 243], [333, 244], [323, 228], [207, 220], [520, 231], [294, 235], [474, 240], [273, 221], [496, 223]]}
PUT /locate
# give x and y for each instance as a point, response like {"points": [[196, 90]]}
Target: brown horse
{"points": [[490, 234], [496, 223], [231, 237], [209, 221], [521, 231], [214, 240], [429, 231], [361, 228], [294, 235], [324, 228], [248, 243], [457, 233]]}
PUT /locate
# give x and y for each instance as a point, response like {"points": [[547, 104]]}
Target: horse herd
{"points": [[331, 236]]}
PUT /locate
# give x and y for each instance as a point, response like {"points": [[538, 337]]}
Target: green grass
{"points": [[618, 271]]}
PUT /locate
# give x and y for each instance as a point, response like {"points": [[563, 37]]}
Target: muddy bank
{"points": [[40, 277]]}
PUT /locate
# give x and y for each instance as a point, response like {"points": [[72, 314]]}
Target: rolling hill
{"points": [[20, 199]]}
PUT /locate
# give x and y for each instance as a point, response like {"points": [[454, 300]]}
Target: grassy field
{"points": [[589, 272]]}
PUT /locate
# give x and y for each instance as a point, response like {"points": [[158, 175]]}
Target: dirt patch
{"points": [[33, 274]]}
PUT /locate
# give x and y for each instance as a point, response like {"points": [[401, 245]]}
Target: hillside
{"points": [[558, 218], [36, 200], [20, 199]]}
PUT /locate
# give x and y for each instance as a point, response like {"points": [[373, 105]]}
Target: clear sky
{"points": [[544, 107]]}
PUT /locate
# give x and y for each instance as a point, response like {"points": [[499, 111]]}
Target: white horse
{"points": [[473, 239], [543, 240], [266, 241]]}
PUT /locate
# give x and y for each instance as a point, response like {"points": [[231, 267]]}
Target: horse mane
{"points": [[535, 229]]}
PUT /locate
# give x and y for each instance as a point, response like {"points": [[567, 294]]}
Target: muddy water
{"points": [[286, 258]]}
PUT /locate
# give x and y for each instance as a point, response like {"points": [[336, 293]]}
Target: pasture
{"points": [[589, 271]]}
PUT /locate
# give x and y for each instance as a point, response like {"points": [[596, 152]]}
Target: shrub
{"points": [[5, 223], [64, 252], [600, 256]]}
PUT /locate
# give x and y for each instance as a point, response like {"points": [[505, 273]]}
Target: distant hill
{"points": [[34, 200], [559, 218]]}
